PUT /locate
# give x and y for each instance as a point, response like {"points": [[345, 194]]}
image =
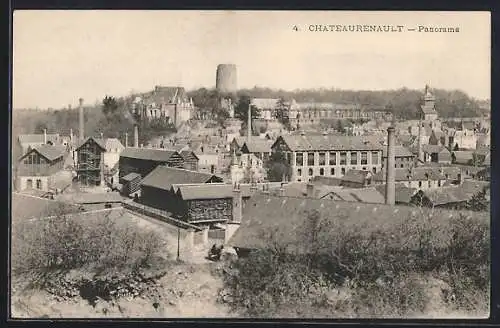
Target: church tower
{"points": [[428, 108], [236, 170]]}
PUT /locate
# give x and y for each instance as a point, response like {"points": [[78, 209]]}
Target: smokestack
{"points": [[126, 139], [237, 203], [81, 119], [249, 121], [71, 135], [44, 136], [136, 136], [390, 192], [420, 153]]}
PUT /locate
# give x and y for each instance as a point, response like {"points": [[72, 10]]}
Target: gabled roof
{"points": [[444, 195], [326, 142], [463, 156], [361, 195], [99, 141], [150, 154], [112, 143], [284, 216], [416, 174], [37, 138], [358, 176], [257, 146], [403, 194], [186, 154], [163, 177], [50, 152], [131, 176], [399, 151], [430, 149], [209, 191]]}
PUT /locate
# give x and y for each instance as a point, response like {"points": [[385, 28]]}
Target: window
{"points": [[310, 159], [374, 169], [364, 168], [322, 159], [333, 158], [299, 159], [343, 158], [38, 184], [439, 183], [321, 171], [29, 183], [343, 171], [420, 184], [332, 171], [364, 158], [310, 172], [354, 158], [375, 157], [402, 165], [429, 183], [299, 172]]}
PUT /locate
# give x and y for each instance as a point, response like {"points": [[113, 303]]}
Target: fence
{"points": [[159, 215]]}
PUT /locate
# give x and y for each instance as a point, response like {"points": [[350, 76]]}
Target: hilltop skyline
{"points": [[62, 56]]}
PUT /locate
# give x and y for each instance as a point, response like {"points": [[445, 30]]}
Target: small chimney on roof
{"points": [[390, 192], [126, 139], [81, 120], [44, 136]]}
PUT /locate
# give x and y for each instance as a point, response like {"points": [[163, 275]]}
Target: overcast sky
{"points": [[60, 56]]}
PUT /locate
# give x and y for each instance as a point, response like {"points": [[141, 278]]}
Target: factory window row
{"points": [[332, 172], [355, 158]]}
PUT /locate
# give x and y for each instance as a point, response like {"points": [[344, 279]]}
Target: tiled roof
{"points": [[445, 195], [112, 143], [358, 176], [209, 191], [403, 194], [186, 154], [163, 177], [416, 174], [165, 95], [325, 106], [37, 138], [406, 139], [433, 149], [49, 152], [159, 155], [326, 142], [99, 141], [464, 156], [362, 195], [265, 214], [131, 176], [399, 151], [327, 181], [258, 146]]}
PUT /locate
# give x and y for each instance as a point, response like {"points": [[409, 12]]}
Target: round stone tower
{"points": [[226, 78]]}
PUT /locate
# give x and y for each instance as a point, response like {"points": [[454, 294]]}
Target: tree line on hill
{"points": [[114, 115]]}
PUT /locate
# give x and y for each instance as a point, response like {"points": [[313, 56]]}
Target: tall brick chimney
{"points": [[126, 139], [237, 203], [136, 136], [81, 120], [44, 136], [390, 192], [249, 122]]}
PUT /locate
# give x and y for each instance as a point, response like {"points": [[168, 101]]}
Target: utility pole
{"points": [[178, 242]]}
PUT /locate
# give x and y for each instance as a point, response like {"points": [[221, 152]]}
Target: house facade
{"points": [[42, 168], [328, 155], [90, 166], [144, 160]]}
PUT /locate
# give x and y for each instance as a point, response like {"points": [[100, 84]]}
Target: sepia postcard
{"points": [[250, 164]]}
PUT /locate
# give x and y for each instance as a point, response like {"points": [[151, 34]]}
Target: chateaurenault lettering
{"points": [[355, 28]]}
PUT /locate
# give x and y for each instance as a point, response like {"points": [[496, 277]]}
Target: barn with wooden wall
{"points": [[144, 160]]}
